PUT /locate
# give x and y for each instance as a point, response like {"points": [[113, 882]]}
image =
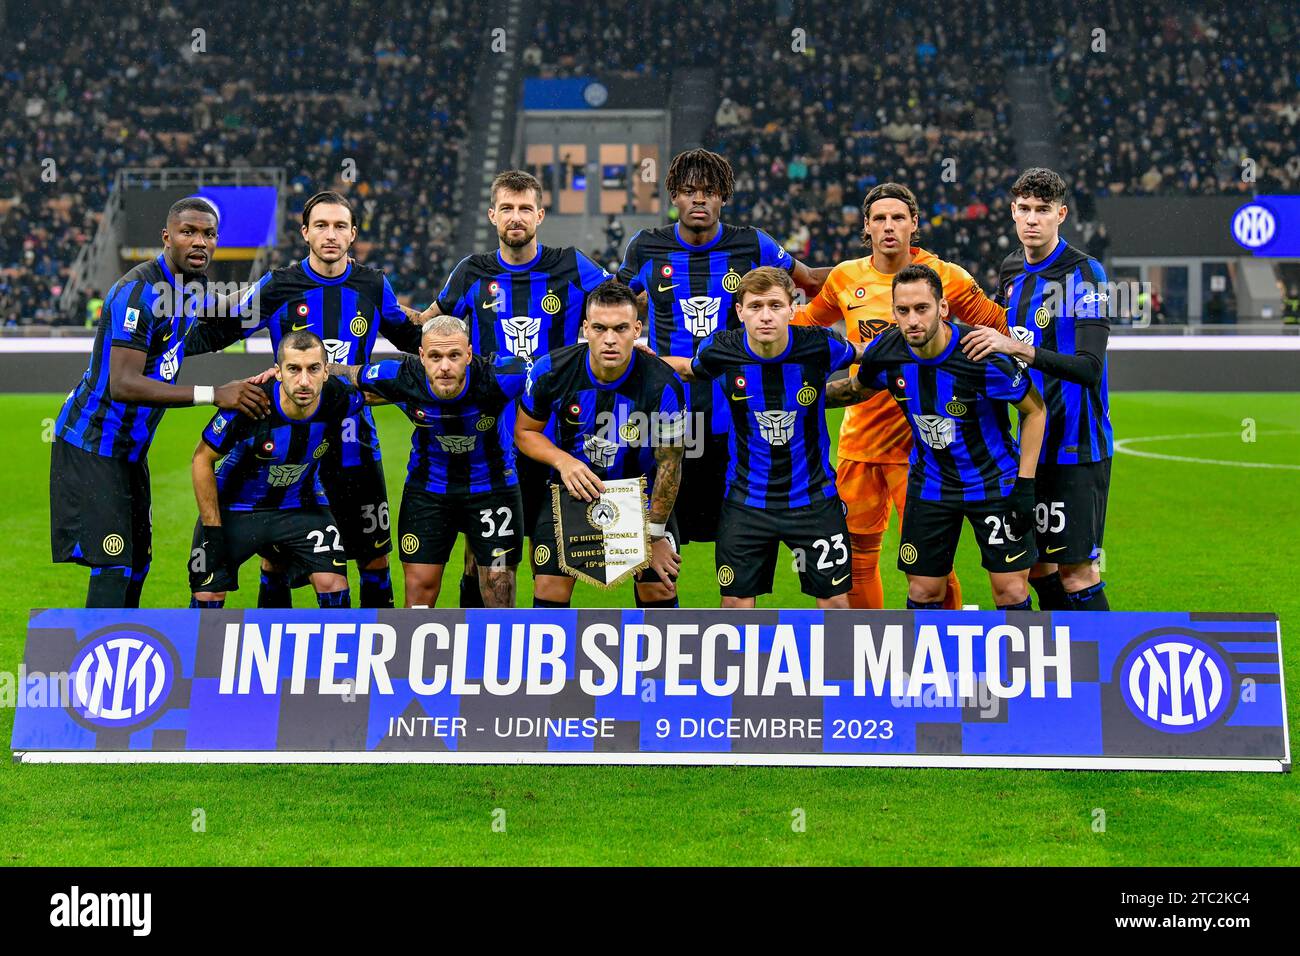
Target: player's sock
{"points": [[542, 602], [136, 585], [471, 595], [924, 605], [335, 598], [274, 590], [868, 592], [952, 600], [1051, 592], [1090, 598], [1025, 605], [109, 586], [196, 603], [671, 602], [376, 588]]}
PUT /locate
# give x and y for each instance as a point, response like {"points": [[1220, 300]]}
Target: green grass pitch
{"points": [[1181, 535]]}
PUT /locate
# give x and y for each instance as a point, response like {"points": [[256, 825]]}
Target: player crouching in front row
{"points": [[965, 461], [256, 482]]}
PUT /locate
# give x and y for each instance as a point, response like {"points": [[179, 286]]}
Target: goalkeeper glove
{"points": [[1020, 508]]}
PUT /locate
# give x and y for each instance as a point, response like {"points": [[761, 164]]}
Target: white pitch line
{"points": [[1122, 446]]}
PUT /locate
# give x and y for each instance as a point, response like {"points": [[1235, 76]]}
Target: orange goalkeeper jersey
{"points": [[876, 430]]}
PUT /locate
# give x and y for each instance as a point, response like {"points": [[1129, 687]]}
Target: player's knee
{"points": [[654, 591], [926, 590], [866, 547], [837, 602], [550, 587], [1076, 577], [209, 595], [328, 583], [1010, 591], [730, 600], [376, 564]]}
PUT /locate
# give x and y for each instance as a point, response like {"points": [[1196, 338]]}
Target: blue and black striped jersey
{"points": [[963, 448], [525, 310], [690, 290], [149, 310], [1046, 304], [273, 464], [614, 427], [347, 312], [779, 446], [461, 445]]}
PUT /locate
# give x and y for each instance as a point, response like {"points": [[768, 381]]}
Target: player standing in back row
{"points": [[346, 304], [689, 273], [875, 440], [524, 299], [1056, 299]]}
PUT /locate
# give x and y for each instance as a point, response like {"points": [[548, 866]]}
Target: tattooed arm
{"points": [[847, 391], [664, 559]]}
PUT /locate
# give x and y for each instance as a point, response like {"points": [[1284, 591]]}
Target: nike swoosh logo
{"points": [[1054, 550], [903, 399], [1015, 556], [835, 581], [500, 552], [380, 543], [339, 564], [299, 328], [492, 304], [168, 335], [665, 288], [740, 398], [861, 305]]}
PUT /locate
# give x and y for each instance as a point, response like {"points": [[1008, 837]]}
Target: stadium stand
{"points": [[126, 88]]}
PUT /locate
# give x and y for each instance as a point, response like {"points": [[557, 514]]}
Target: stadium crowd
{"points": [[133, 88]]}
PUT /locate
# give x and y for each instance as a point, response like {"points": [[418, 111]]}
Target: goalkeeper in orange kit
{"points": [[875, 439]]}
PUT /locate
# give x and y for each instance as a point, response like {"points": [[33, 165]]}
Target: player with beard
{"points": [[100, 500], [522, 298], [347, 305]]}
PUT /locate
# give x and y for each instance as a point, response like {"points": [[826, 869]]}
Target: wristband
{"points": [[204, 394], [657, 530]]}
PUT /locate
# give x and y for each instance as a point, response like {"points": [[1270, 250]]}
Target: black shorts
{"points": [[303, 541], [546, 559], [359, 500], [703, 487], [534, 489], [1071, 511], [100, 508], [749, 542], [931, 530], [492, 521]]}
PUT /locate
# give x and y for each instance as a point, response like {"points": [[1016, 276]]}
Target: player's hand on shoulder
{"points": [[981, 341], [580, 480], [243, 397], [645, 348], [261, 378]]}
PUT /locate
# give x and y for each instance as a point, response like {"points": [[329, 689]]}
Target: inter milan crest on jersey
{"points": [[457, 444], [777, 427], [700, 314], [520, 334], [936, 430], [337, 351]]}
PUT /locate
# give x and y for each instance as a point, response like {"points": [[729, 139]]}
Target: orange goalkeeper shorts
{"points": [[868, 490]]}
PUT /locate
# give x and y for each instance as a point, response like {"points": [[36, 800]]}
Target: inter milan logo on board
{"points": [[337, 351], [521, 333], [700, 314], [1176, 683], [121, 676], [777, 427], [936, 431]]}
